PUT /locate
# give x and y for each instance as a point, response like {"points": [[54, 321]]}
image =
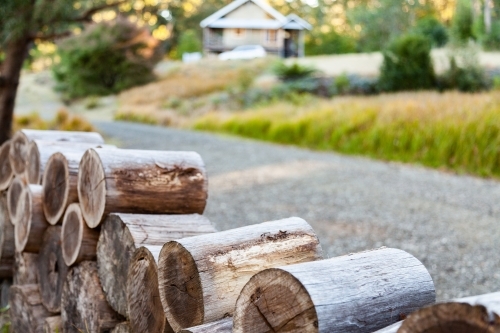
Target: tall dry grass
{"points": [[453, 130]]}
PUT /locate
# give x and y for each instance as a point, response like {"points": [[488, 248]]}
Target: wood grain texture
{"points": [[7, 243], [14, 193], [6, 268], [122, 328], [52, 325], [79, 242], [361, 292], [201, 277], [26, 309], [221, 326], [26, 268], [6, 173], [143, 297], [17, 152], [84, 307], [52, 270], [122, 234], [31, 226], [140, 181]]}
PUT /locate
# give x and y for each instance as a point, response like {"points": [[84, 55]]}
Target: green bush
{"points": [[329, 43], [462, 25], [106, 58], [293, 72], [407, 65], [433, 29], [464, 78], [188, 42], [491, 41]]}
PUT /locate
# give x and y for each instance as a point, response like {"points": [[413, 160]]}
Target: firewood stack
{"points": [[99, 239]]}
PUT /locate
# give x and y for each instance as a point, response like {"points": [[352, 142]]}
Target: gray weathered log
{"points": [[122, 328], [14, 193], [360, 293], [122, 234], [84, 307], [6, 174], [21, 139], [221, 326], [140, 181], [26, 268], [26, 309], [214, 269], [52, 270], [79, 242], [31, 226], [52, 325], [4, 292], [7, 243], [143, 297]]}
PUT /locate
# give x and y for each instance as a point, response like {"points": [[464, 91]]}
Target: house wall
{"points": [[230, 38], [248, 11]]}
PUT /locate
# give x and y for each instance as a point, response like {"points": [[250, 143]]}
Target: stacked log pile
{"points": [[99, 239]]}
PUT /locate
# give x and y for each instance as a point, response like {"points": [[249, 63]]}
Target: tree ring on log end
{"points": [[72, 234], [23, 225], [144, 306], [92, 188], [17, 152], [13, 199], [33, 164], [6, 173], [275, 301], [55, 188], [180, 287], [451, 317]]}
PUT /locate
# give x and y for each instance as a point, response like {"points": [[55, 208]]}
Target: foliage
{"points": [[330, 42], [105, 59], [353, 84], [63, 121], [431, 28], [462, 26], [189, 42], [407, 65], [452, 130], [294, 71], [491, 41]]}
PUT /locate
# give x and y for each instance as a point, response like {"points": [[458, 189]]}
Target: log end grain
{"points": [[13, 198], [17, 152], [6, 173], [92, 188], [55, 188], [79, 242], [27, 312], [221, 326], [31, 224], [23, 224], [32, 171]]}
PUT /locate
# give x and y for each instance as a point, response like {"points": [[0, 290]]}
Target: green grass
{"points": [[455, 131]]}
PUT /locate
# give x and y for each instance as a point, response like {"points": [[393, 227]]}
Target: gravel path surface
{"points": [[451, 223]]}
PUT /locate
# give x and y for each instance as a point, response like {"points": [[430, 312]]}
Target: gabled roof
{"points": [[237, 3], [296, 23]]}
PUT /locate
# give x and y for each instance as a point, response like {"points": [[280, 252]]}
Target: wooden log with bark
{"points": [[360, 292], [7, 243], [26, 268], [122, 234], [52, 325], [40, 151], [32, 224], [221, 326], [21, 139], [5, 292], [6, 173], [84, 307], [201, 277], [14, 193], [79, 242], [122, 328], [52, 270], [26, 309], [140, 181]]}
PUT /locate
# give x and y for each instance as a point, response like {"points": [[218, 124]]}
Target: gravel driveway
{"points": [[450, 223]]}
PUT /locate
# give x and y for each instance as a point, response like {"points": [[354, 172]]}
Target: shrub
{"points": [[106, 58], [491, 41], [329, 43], [188, 42], [462, 25], [293, 72], [433, 29], [407, 65], [466, 78]]}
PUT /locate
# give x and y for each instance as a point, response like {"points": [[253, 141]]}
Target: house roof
{"points": [[217, 20]]}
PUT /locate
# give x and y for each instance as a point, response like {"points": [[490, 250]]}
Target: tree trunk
{"points": [[122, 328], [26, 309], [122, 234], [140, 181], [143, 298], [79, 242], [52, 324], [6, 173], [32, 224], [40, 151], [14, 194], [221, 326], [52, 270], [84, 307], [20, 144], [359, 293], [201, 277], [15, 54], [7, 244], [26, 268], [487, 16]]}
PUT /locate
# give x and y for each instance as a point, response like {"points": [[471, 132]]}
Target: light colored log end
{"points": [[13, 195], [32, 171], [79, 242], [17, 153], [221, 326], [55, 188], [32, 224], [23, 225], [6, 173], [92, 188]]}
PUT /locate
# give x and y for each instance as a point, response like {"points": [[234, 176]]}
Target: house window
{"points": [[239, 33], [271, 35]]}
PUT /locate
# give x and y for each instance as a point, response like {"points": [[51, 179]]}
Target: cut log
{"points": [[52, 325], [4, 292], [21, 139], [140, 181], [122, 234], [39, 152], [6, 268], [32, 224], [84, 307], [221, 326], [201, 277], [14, 199], [26, 268], [27, 312], [7, 244], [360, 292], [122, 328], [6, 174], [52, 270], [79, 242], [143, 297]]}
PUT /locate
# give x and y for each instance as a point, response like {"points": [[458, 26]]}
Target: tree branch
{"points": [[54, 35], [87, 15]]}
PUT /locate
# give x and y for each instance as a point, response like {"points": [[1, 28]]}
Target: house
{"points": [[254, 22]]}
